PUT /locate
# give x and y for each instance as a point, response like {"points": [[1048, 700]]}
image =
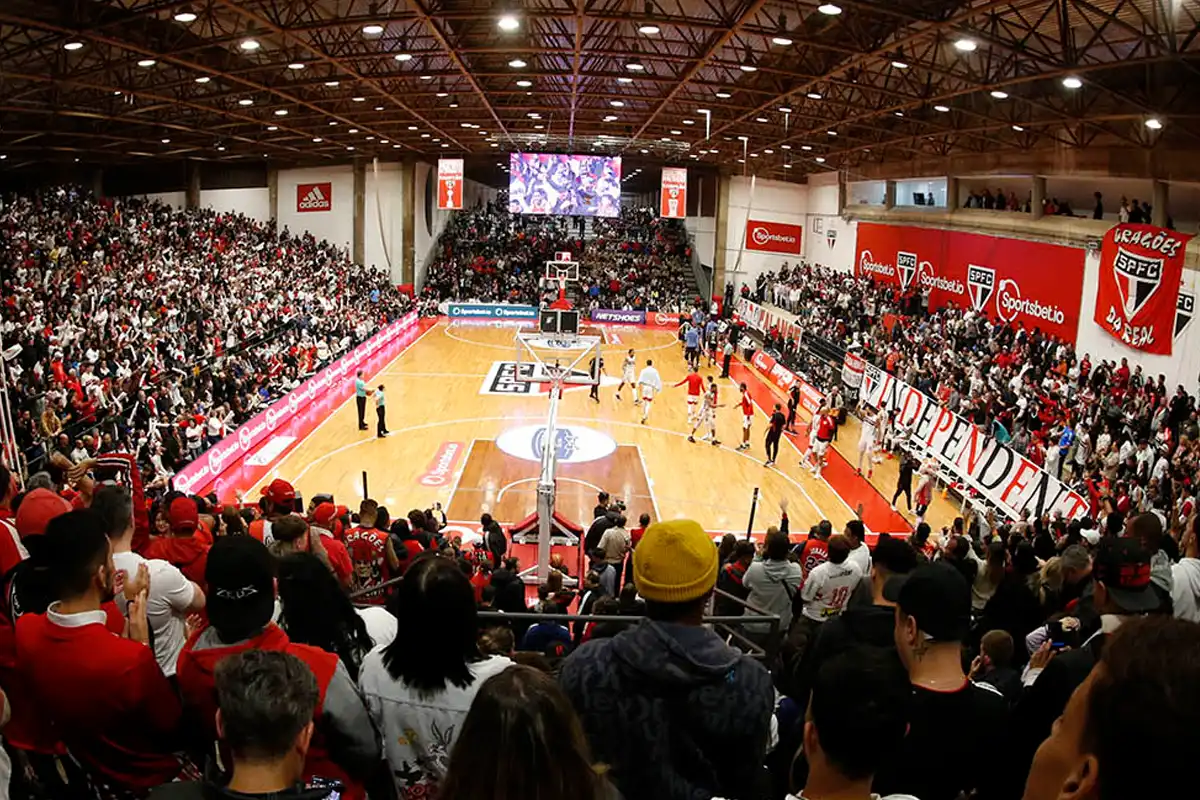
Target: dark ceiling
{"points": [[800, 87]]}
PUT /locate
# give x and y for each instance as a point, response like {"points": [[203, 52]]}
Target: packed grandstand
{"points": [[150, 638]]}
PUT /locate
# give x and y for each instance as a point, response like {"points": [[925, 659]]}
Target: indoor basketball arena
{"points": [[442, 400]]}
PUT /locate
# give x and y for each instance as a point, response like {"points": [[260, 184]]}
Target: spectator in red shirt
{"points": [[327, 525], [104, 693], [636, 534], [367, 546], [187, 544], [279, 499]]}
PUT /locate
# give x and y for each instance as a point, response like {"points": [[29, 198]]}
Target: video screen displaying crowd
{"points": [[632, 261], [1122, 438], [132, 327], [295, 647]]}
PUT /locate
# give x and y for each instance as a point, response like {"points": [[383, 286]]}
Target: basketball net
{"points": [[562, 302]]}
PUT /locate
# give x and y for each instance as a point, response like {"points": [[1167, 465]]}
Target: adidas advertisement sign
{"points": [[314, 197]]}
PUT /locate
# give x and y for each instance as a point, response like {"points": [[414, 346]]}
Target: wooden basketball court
{"points": [[465, 433]]}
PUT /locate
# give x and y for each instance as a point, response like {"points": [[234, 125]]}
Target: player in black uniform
{"points": [[597, 370], [793, 403], [774, 431]]}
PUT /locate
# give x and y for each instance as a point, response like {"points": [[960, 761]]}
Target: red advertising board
{"points": [[785, 379], [773, 237], [314, 197], [1032, 284], [672, 198], [450, 184], [1137, 298]]}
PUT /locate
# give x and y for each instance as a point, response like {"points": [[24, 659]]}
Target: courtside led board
{"points": [[450, 184]]}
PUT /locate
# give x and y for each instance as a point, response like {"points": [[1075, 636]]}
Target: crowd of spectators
{"points": [[633, 261], [306, 654], [132, 327]]}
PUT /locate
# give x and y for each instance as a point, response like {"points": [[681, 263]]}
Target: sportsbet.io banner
{"points": [[1138, 298], [1033, 284], [1005, 478]]}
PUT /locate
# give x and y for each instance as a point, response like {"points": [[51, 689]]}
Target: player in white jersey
{"points": [[867, 441], [708, 414], [628, 367], [650, 383]]}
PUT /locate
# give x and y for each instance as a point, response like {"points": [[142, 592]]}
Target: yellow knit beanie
{"points": [[675, 562]]}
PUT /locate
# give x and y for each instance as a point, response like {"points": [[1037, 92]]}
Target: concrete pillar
{"points": [[1158, 206], [408, 210], [192, 195], [1037, 196], [97, 183], [357, 248], [841, 203], [723, 191], [889, 194], [273, 196], [952, 199]]}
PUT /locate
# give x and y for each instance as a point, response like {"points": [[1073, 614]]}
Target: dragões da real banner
{"points": [[1007, 479], [1137, 300], [1032, 284]]}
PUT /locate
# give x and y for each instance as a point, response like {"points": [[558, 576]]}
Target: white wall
{"points": [[1181, 367], [703, 231], [770, 201], [176, 200], [824, 216], [426, 234], [254, 203], [336, 225], [383, 225]]}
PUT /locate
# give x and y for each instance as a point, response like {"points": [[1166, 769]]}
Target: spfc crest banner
{"points": [[1140, 271]]}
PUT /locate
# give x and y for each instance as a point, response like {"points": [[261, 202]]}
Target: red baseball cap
{"points": [[324, 514], [37, 508], [280, 492], [183, 515]]}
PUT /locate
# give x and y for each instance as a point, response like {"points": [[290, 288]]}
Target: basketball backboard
{"points": [[558, 270]]}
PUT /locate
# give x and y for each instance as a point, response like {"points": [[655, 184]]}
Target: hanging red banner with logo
{"points": [[314, 197], [1031, 284], [773, 237], [450, 184], [1141, 267], [672, 198]]}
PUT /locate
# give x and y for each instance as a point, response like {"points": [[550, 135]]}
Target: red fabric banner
{"points": [[773, 237], [1034, 284], [1141, 267]]}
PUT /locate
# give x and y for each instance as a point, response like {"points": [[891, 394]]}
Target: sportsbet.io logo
{"points": [[761, 236], [1010, 305], [868, 265]]}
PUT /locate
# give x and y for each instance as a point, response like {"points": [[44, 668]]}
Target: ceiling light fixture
{"points": [[785, 109], [296, 65], [185, 16], [317, 140], [941, 109], [829, 9], [281, 112], [426, 77], [250, 45], [676, 133], [524, 84], [761, 119], [748, 68], [1154, 124], [412, 127], [272, 127], [374, 29], [1072, 82], [350, 147], [517, 63], [785, 147], [221, 148], [898, 113], [442, 94], [624, 79], [403, 56], [508, 23], [900, 65], [245, 101], [689, 122], [966, 45], [616, 103], [999, 95], [806, 147], [353, 130], [72, 45], [724, 95], [1017, 128], [813, 96], [424, 135], [203, 79], [331, 84], [832, 133], [147, 62], [819, 160], [649, 29], [634, 66], [166, 141], [333, 122], [782, 41]]}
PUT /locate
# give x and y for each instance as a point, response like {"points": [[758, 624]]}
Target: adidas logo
{"points": [[314, 200]]}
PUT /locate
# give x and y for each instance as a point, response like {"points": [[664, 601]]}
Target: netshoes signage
{"points": [[1004, 477], [490, 311], [618, 315]]}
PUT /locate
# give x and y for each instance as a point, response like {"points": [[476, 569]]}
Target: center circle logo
{"points": [[573, 444]]}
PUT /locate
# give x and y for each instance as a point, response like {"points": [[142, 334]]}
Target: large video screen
{"points": [[542, 183]]}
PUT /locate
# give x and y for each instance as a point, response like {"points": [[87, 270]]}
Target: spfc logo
{"points": [[565, 443], [906, 265], [981, 282], [1184, 310], [830, 237], [1138, 278]]}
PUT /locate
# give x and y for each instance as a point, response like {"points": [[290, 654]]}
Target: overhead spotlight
{"points": [[634, 65], [785, 147], [761, 119], [272, 127], [517, 63], [832, 133], [649, 29], [331, 84], [782, 41], [352, 130], [373, 29], [965, 45], [166, 141], [787, 166], [785, 109], [250, 45], [508, 23], [221, 148], [724, 95], [813, 95], [806, 147], [412, 127], [185, 16], [898, 113], [941, 109], [689, 122], [73, 46], [819, 160], [999, 95], [524, 84], [464, 124], [426, 77], [203, 79], [147, 62], [333, 122], [1017, 128], [1154, 124], [424, 135], [616, 103], [829, 9], [296, 65], [403, 56], [1072, 82], [900, 64], [769, 151], [442, 94], [747, 68], [624, 79], [245, 101], [453, 103], [350, 147], [317, 140], [359, 99], [281, 112]]}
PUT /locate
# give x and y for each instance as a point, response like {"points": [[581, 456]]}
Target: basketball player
{"points": [[596, 369], [711, 341], [627, 375], [747, 417], [867, 441], [691, 346], [793, 404], [825, 426], [774, 431], [708, 414], [695, 385], [650, 382]]}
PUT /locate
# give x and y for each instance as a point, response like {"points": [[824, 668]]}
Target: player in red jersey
{"points": [[747, 417], [695, 387], [821, 435]]}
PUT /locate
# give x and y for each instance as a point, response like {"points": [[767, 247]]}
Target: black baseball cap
{"points": [[1123, 566], [241, 587], [937, 596]]}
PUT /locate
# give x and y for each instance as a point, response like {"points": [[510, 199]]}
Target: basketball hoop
{"points": [[561, 272], [562, 301]]}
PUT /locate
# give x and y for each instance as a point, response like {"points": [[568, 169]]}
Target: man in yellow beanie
{"points": [[673, 710]]}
